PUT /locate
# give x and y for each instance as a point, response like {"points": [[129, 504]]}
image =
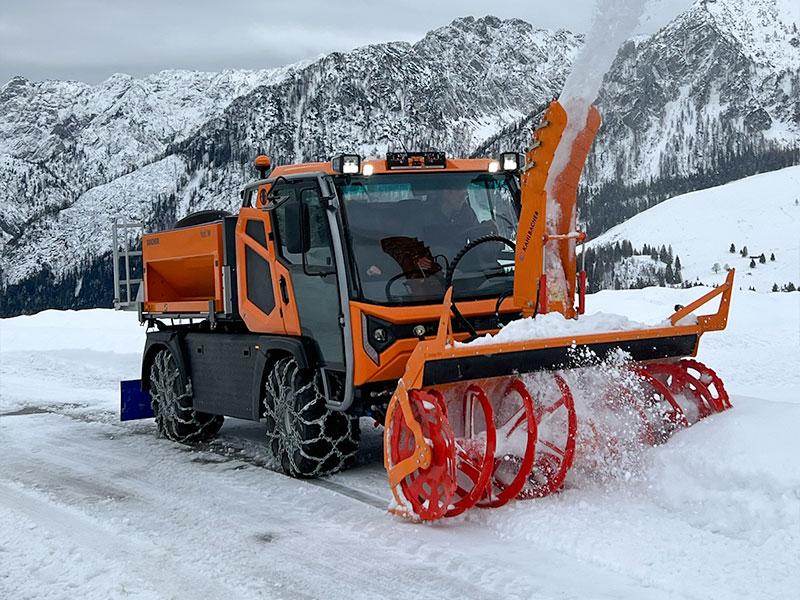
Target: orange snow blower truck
{"points": [[360, 288]]}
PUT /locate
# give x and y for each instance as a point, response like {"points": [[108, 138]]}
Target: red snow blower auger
{"points": [[483, 422]]}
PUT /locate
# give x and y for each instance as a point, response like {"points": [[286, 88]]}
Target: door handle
{"points": [[284, 289]]}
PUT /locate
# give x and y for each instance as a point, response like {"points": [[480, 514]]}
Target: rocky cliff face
{"points": [[712, 95]]}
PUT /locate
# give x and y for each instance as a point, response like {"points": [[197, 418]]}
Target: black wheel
{"points": [[304, 436], [172, 404]]}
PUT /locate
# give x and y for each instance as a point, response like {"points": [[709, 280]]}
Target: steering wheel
{"points": [[407, 275], [451, 269]]}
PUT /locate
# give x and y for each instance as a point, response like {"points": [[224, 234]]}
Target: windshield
{"points": [[406, 228]]}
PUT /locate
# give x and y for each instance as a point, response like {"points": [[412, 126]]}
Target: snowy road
{"points": [[92, 508]]}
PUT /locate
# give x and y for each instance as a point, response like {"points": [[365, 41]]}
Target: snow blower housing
{"points": [[336, 280]]}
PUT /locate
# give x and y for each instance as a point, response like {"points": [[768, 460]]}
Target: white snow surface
{"points": [[761, 212], [95, 509], [555, 325]]}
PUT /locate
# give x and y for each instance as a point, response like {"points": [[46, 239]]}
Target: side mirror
{"points": [[297, 234]]}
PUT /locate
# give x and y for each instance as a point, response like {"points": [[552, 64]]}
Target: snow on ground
{"points": [[761, 212], [93, 508]]}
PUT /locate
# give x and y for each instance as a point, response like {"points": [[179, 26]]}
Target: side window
{"points": [[319, 236], [286, 219], [479, 200]]}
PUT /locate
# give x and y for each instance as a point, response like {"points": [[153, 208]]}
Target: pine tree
{"points": [[775, 287], [762, 259], [744, 251], [663, 256], [732, 249], [715, 268], [669, 275], [752, 263], [772, 257], [790, 287], [627, 248]]}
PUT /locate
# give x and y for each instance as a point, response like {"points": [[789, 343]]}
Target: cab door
{"points": [[264, 283], [305, 250]]}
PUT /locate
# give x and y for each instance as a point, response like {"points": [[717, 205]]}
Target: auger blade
{"points": [[472, 419], [428, 490], [557, 425], [515, 421]]}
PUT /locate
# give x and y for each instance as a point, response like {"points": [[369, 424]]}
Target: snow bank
{"points": [[98, 329], [761, 212]]}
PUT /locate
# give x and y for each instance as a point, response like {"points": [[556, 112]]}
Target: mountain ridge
{"points": [[653, 142]]}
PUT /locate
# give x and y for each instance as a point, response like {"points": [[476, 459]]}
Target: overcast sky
{"points": [[89, 40]]}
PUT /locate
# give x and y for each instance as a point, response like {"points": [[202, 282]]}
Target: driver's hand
{"points": [[425, 263], [374, 271]]}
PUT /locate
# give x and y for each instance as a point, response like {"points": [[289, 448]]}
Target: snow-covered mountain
{"points": [[760, 214], [369, 99], [59, 139], [711, 97]]}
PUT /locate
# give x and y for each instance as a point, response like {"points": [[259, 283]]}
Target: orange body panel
{"points": [[565, 192], [393, 360], [182, 269], [253, 317], [530, 232]]}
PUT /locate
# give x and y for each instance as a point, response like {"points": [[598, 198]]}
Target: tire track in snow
{"points": [[78, 529], [221, 448], [274, 535]]}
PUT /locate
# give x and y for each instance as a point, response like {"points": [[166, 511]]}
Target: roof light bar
{"points": [[416, 160]]}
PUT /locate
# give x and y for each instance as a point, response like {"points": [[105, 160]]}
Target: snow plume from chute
{"points": [[614, 22]]}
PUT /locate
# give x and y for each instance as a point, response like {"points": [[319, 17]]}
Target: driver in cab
{"points": [[448, 226]]}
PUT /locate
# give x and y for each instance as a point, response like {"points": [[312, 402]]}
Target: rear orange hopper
{"points": [[182, 270]]}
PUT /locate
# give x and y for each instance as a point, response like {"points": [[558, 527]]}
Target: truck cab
{"points": [[339, 268]]}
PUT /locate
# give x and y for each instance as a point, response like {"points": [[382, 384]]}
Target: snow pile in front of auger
{"points": [[555, 325]]}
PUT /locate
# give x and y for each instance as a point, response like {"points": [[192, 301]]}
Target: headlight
{"points": [[368, 170], [494, 166]]}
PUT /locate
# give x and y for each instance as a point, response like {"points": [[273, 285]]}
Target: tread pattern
{"points": [[176, 419], [303, 435]]}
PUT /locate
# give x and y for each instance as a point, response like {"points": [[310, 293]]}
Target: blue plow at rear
{"points": [[135, 403]]}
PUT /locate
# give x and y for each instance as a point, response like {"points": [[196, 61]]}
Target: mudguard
{"points": [[134, 402]]}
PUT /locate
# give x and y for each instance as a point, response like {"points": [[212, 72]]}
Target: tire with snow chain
{"points": [[176, 420], [303, 435]]}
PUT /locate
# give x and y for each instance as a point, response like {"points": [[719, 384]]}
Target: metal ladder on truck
{"points": [[126, 239]]}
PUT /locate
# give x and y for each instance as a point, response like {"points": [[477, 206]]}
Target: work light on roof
{"points": [[347, 164], [510, 161]]}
